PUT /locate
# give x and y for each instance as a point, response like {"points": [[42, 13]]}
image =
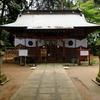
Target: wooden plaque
{"points": [[43, 52]]}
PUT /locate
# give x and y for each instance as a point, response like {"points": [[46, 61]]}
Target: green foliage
{"points": [[11, 9], [69, 4], [92, 62], [52, 4], [15, 6], [87, 5], [0, 4], [73, 60], [92, 41], [10, 12], [94, 48], [4, 37], [90, 10], [98, 53], [97, 2], [98, 42]]}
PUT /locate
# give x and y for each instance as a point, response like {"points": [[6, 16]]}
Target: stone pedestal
{"points": [[3, 78], [98, 76], [97, 80]]}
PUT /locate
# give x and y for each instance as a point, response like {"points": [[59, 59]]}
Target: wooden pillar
{"points": [[79, 58], [63, 50], [89, 57], [36, 50]]}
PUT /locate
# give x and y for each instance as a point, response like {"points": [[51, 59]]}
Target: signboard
{"points": [[43, 52], [23, 52], [84, 53]]}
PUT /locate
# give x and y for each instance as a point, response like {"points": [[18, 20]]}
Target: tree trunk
{"points": [[62, 5], [2, 13]]}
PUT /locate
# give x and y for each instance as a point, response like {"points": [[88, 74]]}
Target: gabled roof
{"points": [[56, 19]]}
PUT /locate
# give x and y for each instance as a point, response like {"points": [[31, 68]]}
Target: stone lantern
{"points": [[3, 78], [98, 76], [97, 80]]}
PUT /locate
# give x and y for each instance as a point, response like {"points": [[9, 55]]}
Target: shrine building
{"points": [[51, 35]]}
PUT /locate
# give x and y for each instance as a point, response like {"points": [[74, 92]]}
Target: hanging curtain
{"points": [[19, 41], [70, 43], [74, 43], [30, 42], [41, 42]]}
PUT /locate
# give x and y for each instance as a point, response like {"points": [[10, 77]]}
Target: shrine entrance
{"points": [[51, 51]]}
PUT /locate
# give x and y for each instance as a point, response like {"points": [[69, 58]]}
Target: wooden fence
{"points": [[10, 53]]}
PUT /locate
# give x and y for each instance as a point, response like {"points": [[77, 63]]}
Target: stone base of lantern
{"points": [[97, 80], [3, 78]]}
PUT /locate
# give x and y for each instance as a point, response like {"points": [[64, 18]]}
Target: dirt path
{"points": [[17, 75], [81, 76]]}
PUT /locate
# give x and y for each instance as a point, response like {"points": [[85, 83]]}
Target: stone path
{"points": [[47, 82]]}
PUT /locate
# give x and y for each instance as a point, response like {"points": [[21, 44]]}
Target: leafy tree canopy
{"points": [[98, 42], [90, 10], [9, 10], [92, 41], [51, 4]]}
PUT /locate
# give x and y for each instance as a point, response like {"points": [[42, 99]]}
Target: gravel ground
{"points": [[17, 75], [81, 76]]}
